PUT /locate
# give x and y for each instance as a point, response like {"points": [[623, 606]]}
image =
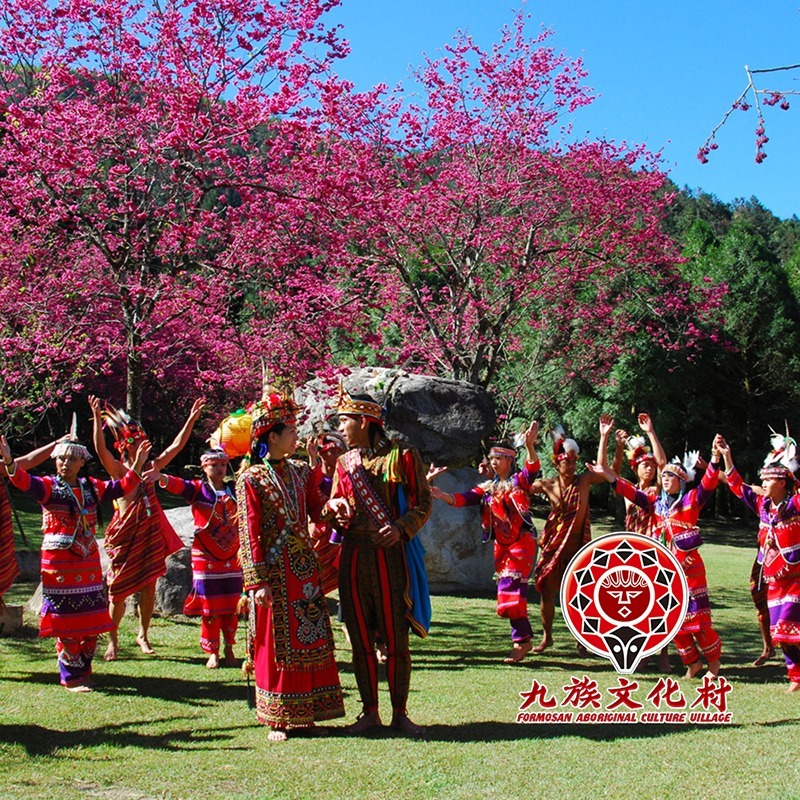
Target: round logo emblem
{"points": [[624, 597]]}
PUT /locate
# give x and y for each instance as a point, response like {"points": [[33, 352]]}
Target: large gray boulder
{"points": [[456, 558], [173, 588], [446, 420]]}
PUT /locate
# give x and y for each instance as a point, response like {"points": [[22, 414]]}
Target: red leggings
{"points": [[691, 644], [211, 627]]}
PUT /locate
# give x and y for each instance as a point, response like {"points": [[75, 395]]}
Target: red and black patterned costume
{"points": [[297, 683], [374, 587], [9, 569]]}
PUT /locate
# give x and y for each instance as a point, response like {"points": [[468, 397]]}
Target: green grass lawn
{"points": [[165, 727]]}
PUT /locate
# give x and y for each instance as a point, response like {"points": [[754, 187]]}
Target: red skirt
{"points": [[74, 604], [216, 584]]}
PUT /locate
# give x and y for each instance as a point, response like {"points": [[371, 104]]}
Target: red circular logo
{"points": [[624, 597]]}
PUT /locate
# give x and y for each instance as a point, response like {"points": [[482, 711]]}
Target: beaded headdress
{"points": [[502, 452], [214, 456], [273, 408], [362, 408], [331, 441], [683, 470], [70, 445]]}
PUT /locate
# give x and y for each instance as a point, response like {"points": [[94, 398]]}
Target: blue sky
{"points": [[664, 73]]}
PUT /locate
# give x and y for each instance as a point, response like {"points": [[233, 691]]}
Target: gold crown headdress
{"points": [[346, 404]]}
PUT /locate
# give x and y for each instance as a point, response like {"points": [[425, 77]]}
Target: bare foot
{"points": [[80, 687], [213, 661], [230, 657], [794, 686], [401, 723], [111, 651], [518, 652], [365, 723], [277, 735], [380, 653], [582, 651], [693, 670], [713, 668], [142, 641], [768, 653], [543, 645]]}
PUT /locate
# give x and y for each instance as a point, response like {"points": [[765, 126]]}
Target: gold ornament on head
{"points": [[346, 404]]}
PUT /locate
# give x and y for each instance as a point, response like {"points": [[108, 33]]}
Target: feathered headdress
{"points": [[638, 450], [684, 470], [125, 430], [563, 448], [781, 461]]}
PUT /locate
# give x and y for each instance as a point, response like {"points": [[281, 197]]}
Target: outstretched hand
{"points": [[645, 423], [433, 471], [532, 436], [621, 436], [600, 469], [96, 404], [142, 454]]}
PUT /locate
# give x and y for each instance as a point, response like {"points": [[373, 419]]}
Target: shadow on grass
{"points": [[176, 690], [41, 741]]}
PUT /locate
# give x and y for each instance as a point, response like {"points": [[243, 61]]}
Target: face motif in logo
{"points": [[624, 597]]}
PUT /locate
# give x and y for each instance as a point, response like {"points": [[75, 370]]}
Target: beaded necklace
{"points": [[291, 496]]}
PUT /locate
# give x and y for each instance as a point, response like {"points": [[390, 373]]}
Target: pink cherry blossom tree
{"points": [[481, 230], [143, 132]]}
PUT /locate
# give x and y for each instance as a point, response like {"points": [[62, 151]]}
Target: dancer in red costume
{"points": [[139, 537], [323, 452], [9, 569], [216, 574], [74, 608], [675, 513], [777, 505], [506, 519]]}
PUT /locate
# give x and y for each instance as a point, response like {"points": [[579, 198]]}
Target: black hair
{"points": [[375, 430], [259, 448]]}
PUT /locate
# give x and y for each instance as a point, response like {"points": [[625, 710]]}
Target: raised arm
{"points": [[35, 457], [646, 424], [606, 425], [179, 442], [114, 467]]}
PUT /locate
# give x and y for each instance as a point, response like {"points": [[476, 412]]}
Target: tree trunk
{"points": [[133, 364]]}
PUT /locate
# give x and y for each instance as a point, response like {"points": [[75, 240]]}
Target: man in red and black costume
{"points": [[380, 498]]}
